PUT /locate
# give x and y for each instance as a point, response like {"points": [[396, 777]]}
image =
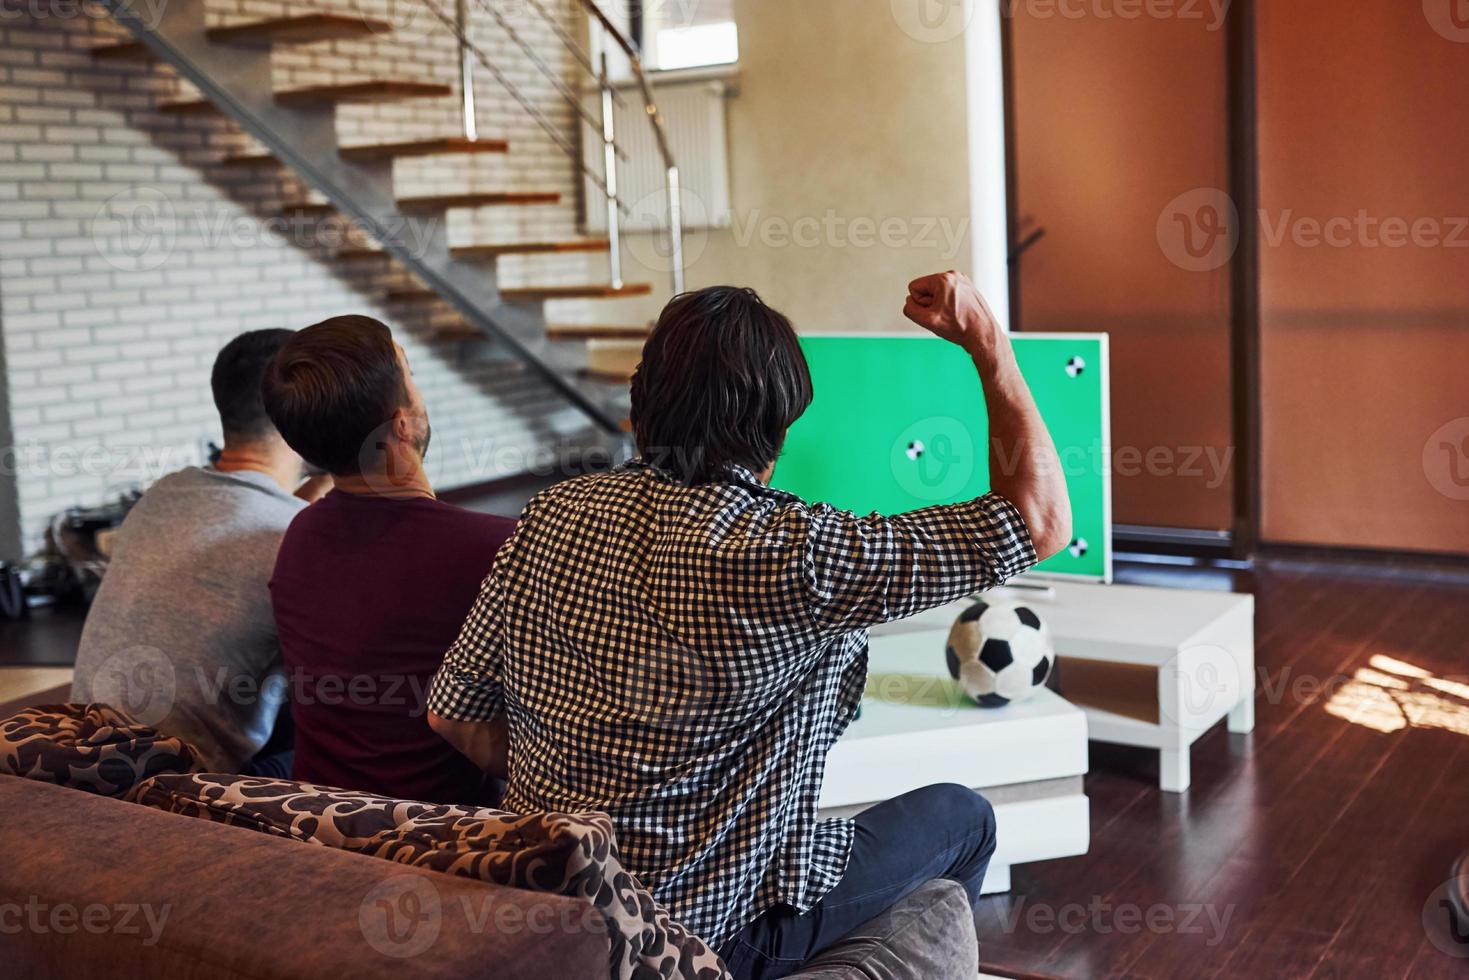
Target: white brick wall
{"points": [[108, 337]]}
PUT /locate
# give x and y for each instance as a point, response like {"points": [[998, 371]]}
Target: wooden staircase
{"points": [[229, 66], [374, 152]]}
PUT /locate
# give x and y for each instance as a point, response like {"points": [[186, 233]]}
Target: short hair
{"points": [[721, 380], [235, 381], [331, 387]]}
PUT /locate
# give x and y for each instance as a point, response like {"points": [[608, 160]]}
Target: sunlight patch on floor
{"points": [[1389, 695]]}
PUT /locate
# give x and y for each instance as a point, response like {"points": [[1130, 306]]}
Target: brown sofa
{"points": [[95, 887], [118, 857], [237, 904]]}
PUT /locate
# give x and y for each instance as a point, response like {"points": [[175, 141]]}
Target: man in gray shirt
{"points": [[181, 634]]}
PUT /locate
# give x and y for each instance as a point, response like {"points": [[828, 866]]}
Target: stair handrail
{"points": [[534, 56], [471, 48], [595, 63], [660, 134]]}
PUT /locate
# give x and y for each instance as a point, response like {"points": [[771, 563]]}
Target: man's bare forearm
{"points": [[485, 743], [1024, 467]]}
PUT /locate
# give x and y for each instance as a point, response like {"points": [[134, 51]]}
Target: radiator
{"points": [[693, 115]]}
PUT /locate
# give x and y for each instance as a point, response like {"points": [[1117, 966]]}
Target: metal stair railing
{"points": [[604, 28], [594, 62]]}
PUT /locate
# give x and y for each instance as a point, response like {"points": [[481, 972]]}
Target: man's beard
{"points": [[422, 444]]}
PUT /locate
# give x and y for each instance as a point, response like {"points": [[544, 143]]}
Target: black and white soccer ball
{"points": [[999, 652]]}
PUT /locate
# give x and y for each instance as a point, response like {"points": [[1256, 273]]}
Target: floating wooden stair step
{"points": [[531, 248], [360, 253], [410, 294], [303, 29], [494, 251], [306, 29], [593, 331], [314, 209], [478, 199], [311, 209], [457, 331], [380, 90], [249, 160], [536, 294], [189, 107], [126, 51], [422, 148], [372, 152], [532, 294]]}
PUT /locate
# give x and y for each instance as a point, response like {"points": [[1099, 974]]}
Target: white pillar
{"points": [[988, 203]]}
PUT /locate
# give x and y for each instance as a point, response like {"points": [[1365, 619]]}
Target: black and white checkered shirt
{"points": [[683, 658]]}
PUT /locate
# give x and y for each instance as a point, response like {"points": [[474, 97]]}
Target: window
{"points": [[688, 33]]}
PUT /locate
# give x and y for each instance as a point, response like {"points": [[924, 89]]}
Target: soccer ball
{"points": [[999, 652]]}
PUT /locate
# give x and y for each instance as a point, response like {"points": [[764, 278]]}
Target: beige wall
{"points": [[843, 127]]}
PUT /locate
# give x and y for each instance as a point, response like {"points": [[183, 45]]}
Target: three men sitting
{"points": [[674, 643]]}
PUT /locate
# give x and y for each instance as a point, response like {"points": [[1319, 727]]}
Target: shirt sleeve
{"points": [[861, 571], [469, 686]]}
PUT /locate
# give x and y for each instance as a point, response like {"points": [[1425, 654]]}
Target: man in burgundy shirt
{"points": [[373, 582]]}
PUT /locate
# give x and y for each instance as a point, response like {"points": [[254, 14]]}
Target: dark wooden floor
{"points": [[1309, 848]]}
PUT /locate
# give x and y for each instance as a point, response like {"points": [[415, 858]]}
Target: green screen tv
{"points": [[898, 423]]}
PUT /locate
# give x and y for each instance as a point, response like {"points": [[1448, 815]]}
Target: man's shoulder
{"points": [[196, 494], [579, 488], [634, 495], [485, 528], [432, 516]]}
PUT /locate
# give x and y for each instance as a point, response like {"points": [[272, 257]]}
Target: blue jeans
{"points": [[943, 831]]}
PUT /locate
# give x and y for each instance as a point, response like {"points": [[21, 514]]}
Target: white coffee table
{"points": [[917, 729], [1150, 667]]}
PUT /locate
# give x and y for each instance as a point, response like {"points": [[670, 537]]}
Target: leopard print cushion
{"points": [[91, 747], [573, 855]]}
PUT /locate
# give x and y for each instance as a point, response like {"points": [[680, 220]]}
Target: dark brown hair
{"points": [[721, 380], [331, 387], [235, 382]]}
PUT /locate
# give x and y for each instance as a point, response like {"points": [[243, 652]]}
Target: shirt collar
{"points": [[735, 473]]}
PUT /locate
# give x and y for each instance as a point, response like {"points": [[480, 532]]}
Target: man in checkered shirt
{"points": [[678, 645]]}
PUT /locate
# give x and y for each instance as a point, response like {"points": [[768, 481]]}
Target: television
{"points": [[898, 423]]}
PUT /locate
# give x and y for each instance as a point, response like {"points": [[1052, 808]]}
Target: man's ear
{"points": [[401, 426]]}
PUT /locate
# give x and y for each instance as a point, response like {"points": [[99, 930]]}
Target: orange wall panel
{"points": [[1364, 274]]}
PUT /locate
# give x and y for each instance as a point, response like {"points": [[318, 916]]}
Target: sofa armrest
{"points": [[107, 889], [927, 936]]}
